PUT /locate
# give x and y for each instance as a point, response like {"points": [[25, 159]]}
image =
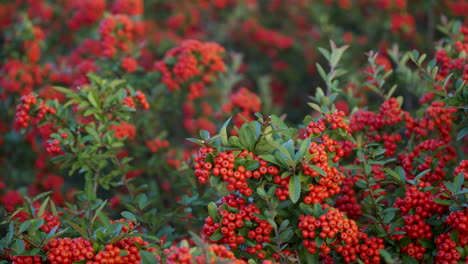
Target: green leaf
{"points": [[321, 71], [317, 169], [270, 158], [252, 165], [336, 55], [93, 99], [454, 235], [96, 213], [284, 224], [77, 228], [294, 188], [214, 180], [194, 140], [421, 59], [93, 133], [386, 256], [36, 224], [223, 132], [105, 221], [420, 175], [458, 182], [261, 192], [213, 212], [147, 257], [216, 235], [414, 55], [24, 226], [205, 135], [315, 107], [404, 242], [409, 260], [325, 53], [309, 258], [40, 196], [305, 145], [443, 202], [401, 172], [53, 208], [462, 133], [427, 243], [43, 207], [286, 235], [80, 261], [89, 187], [394, 175], [129, 216], [388, 217], [18, 246], [63, 90]]}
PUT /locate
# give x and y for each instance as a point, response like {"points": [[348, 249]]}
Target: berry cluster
{"points": [[416, 228], [246, 102], [325, 150], [214, 254], [67, 250], [380, 61], [128, 7], [124, 130], [419, 201], [389, 142], [334, 120], [266, 40], [447, 252], [203, 168], [390, 113], [364, 247], [224, 166], [450, 61], [25, 259], [29, 103], [53, 147], [415, 250], [111, 254], [459, 221], [22, 110], [403, 23], [129, 64], [50, 222], [432, 154], [156, 144], [437, 118], [347, 201], [127, 225], [379, 127], [141, 98], [332, 225], [193, 60], [283, 191], [87, 12], [237, 218], [462, 168], [330, 179], [117, 33], [192, 123], [19, 77]]}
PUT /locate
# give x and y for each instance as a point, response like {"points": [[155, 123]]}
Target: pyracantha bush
{"points": [[98, 96]]}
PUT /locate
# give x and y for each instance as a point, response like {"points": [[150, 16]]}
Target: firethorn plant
{"points": [[101, 102]]}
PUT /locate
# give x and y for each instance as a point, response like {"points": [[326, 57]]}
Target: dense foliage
{"points": [[220, 131]]}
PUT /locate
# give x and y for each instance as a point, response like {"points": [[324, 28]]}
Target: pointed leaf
{"points": [[294, 188]]}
